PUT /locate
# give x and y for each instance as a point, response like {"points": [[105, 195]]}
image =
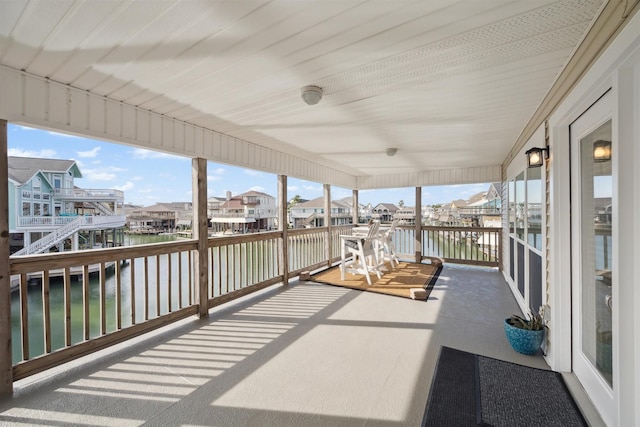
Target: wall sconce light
{"points": [[536, 156], [601, 151]]}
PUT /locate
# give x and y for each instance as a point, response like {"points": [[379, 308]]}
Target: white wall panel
{"points": [[113, 119], [155, 129], [178, 136], [97, 115], [58, 104], [78, 109], [166, 139], [128, 119], [189, 139], [143, 126], [442, 177], [34, 101]]}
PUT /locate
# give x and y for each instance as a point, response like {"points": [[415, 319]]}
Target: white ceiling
{"points": [[450, 84]]}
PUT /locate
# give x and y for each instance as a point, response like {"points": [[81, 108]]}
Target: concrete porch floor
{"points": [[303, 355]]}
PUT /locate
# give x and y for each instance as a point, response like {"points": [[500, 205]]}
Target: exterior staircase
{"points": [[309, 220], [100, 207], [66, 230]]}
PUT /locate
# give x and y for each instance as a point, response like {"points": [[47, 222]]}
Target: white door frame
{"points": [[603, 396], [617, 69]]}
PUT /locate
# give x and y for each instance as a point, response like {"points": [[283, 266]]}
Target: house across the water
{"points": [[47, 212]]}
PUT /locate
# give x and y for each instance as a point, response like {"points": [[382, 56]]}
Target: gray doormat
{"points": [[470, 390]]}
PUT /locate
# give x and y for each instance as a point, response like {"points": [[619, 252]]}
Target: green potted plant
{"points": [[526, 334]]}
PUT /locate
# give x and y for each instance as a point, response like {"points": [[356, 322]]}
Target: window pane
{"points": [[520, 206], [597, 255], [534, 208], [512, 206]]}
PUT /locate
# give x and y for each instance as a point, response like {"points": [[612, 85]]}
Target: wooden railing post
{"points": [[355, 212], [200, 232], [6, 363], [418, 239], [327, 222], [283, 226]]}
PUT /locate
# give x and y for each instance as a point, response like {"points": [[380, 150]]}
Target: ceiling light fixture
{"points": [[311, 94], [391, 151]]}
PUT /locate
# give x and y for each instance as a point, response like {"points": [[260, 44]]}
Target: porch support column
{"points": [[6, 363], [418, 241], [199, 190], [283, 227], [75, 242], [327, 221], [355, 213]]}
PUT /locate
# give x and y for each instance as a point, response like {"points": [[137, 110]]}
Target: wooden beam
{"points": [[418, 224], [327, 222], [6, 363], [200, 232], [283, 226], [355, 213]]}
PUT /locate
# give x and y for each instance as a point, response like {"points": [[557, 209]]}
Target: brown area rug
{"points": [[396, 281]]}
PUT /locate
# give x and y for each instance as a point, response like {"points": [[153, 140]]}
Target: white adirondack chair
{"points": [[365, 253], [387, 247]]}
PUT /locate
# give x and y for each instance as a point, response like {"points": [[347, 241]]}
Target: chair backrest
{"points": [[373, 230]]}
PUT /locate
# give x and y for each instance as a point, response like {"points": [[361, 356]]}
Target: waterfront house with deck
{"points": [[48, 211], [312, 213], [162, 217], [247, 212], [384, 212], [543, 97]]}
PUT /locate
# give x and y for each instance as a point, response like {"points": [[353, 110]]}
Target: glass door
{"points": [[593, 266]]}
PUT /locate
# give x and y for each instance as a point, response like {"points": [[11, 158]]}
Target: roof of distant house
{"points": [[22, 169], [387, 206], [318, 202], [254, 193]]}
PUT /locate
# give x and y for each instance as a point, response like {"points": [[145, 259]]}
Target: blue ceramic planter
{"points": [[522, 340]]}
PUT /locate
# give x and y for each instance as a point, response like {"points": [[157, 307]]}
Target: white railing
{"points": [[89, 194], [153, 285], [58, 221], [67, 229], [101, 208], [52, 238], [44, 221]]}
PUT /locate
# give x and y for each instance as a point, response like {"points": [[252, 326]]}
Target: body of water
{"points": [[57, 302]]}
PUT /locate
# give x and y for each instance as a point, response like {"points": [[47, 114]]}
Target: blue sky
{"points": [[148, 177]]}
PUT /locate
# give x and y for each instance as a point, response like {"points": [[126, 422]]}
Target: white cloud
{"points": [[43, 154], [137, 178], [90, 153], [65, 135], [103, 174], [141, 153], [98, 175], [126, 187], [292, 188], [216, 174], [252, 172], [25, 127]]}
